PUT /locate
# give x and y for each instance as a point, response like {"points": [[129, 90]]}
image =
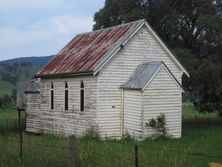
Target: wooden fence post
{"points": [[136, 155], [72, 151], [7, 124], [20, 132]]}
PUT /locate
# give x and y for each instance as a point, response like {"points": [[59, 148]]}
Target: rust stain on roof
{"points": [[86, 51]]}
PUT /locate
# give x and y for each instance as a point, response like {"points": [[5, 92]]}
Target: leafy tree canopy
{"points": [[192, 29]]}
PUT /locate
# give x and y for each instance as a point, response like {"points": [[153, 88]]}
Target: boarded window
{"points": [[66, 96], [82, 96], [52, 96]]}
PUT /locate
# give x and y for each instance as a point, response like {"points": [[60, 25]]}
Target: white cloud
{"points": [[42, 27], [12, 5], [64, 24], [43, 37], [67, 24], [20, 5], [14, 37]]}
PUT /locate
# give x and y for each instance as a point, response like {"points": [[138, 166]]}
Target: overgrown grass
{"points": [[9, 120], [200, 144], [197, 148], [10, 113], [33, 154]]}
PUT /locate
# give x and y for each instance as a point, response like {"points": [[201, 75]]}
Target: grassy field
{"points": [[189, 112], [25, 74], [200, 144], [6, 88], [9, 113]]}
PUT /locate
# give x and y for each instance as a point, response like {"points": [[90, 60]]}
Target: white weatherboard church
{"points": [[113, 80]]}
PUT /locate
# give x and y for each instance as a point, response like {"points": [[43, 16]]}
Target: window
{"points": [[81, 96], [66, 96], [52, 96]]}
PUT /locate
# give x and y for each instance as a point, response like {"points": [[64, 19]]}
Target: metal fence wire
{"points": [[75, 156]]}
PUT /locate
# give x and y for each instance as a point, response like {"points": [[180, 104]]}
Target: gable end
{"points": [[144, 75], [154, 35]]}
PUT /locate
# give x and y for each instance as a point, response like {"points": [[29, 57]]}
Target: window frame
{"points": [[52, 95], [82, 99], [66, 97]]}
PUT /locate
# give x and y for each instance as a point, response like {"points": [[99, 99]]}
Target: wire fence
{"points": [[72, 152], [8, 125]]}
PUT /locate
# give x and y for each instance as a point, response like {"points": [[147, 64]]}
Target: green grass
{"points": [[9, 120], [5, 87], [190, 112], [10, 113], [51, 150], [200, 144]]}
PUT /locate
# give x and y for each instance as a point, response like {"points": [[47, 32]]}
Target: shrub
{"points": [[127, 138], [159, 124]]}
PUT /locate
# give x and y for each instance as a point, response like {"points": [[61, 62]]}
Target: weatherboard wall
{"points": [[162, 96], [72, 121], [33, 101], [139, 49], [132, 113], [103, 96]]}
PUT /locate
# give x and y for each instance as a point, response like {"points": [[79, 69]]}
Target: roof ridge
{"points": [[119, 35], [137, 23], [119, 25]]}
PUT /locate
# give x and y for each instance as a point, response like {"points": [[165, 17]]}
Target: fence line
{"points": [[134, 159], [39, 144], [65, 147], [108, 156]]}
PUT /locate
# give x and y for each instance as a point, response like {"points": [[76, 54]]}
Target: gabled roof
{"points": [[145, 73], [87, 50], [87, 53]]}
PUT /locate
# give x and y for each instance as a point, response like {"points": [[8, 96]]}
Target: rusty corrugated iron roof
{"points": [[87, 50]]}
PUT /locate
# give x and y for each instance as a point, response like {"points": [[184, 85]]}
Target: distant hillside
{"points": [[35, 61], [19, 69], [11, 74]]}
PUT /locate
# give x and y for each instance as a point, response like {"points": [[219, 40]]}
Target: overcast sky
{"points": [[42, 27]]}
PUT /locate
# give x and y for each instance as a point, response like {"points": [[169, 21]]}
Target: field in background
{"points": [[10, 113], [6, 88], [24, 73], [189, 112], [200, 144]]}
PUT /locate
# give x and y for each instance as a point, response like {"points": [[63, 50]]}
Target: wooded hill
{"points": [[19, 69]]}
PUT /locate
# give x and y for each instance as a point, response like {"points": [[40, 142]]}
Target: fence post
{"points": [[136, 155], [72, 151], [7, 124], [20, 132]]}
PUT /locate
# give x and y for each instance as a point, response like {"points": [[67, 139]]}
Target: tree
{"points": [[116, 12], [192, 29]]}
